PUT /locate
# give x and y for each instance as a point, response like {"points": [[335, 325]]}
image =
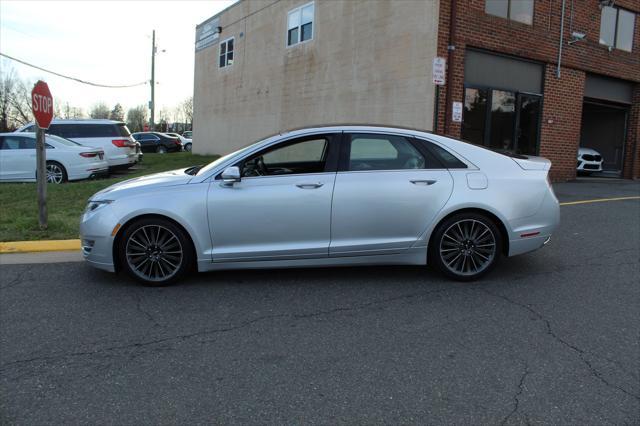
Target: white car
{"points": [[327, 196], [589, 160], [112, 137], [186, 142], [66, 160]]}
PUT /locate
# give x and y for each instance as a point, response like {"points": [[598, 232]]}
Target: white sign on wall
{"points": [[439, 68], [456, 113]]}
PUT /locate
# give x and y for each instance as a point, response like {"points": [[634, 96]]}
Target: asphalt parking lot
{"points": [[548, 337]]}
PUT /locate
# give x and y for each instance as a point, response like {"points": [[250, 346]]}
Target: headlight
{"points": [[92, 206]]}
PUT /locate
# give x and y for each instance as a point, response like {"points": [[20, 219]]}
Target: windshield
{"points": [[62, 141], [206, 169]]}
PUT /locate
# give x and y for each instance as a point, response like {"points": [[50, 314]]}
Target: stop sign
{"points": [[42, 104]]}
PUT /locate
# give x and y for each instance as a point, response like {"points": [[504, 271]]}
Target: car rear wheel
{"points": [[161, 149], [155, 251], [56, 172], [465, 246]]}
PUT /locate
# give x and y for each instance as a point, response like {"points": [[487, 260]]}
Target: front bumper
{"points": [[589, 166], [96, 240]]}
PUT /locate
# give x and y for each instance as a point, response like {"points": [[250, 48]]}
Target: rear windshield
{"points": [[73, 131]]}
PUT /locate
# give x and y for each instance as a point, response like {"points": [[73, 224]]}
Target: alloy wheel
{"points": [[467, 247], [55, 174], [154, 253]]}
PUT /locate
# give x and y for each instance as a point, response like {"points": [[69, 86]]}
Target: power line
{"points": [[73, 78]]}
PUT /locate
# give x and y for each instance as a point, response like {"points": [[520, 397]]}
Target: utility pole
{"points": [[152, 104]]}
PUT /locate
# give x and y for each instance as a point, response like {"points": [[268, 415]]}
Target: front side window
{"points": [[515, 10], [383, 152], [300, 24], [306, 156], [226, 53], [617, 27]]}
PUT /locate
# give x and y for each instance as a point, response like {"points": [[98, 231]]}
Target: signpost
{"points": [[42, 108], [438, 78]]}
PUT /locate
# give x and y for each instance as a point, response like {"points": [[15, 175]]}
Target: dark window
{"points": [[447, 159], [511, 123], [123, 130], [31, 128], [226, 53], [17, 142], [300, 24], [383, 152], [307, 156], [475, 114], [72, 131], [617, 28], [516, 10]]}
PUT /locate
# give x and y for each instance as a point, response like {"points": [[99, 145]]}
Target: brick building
{"points": [[594, 99], [370, 62]]}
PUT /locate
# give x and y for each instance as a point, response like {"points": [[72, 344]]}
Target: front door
{"points": [[281, 208], [17, 157], [386, 193]]}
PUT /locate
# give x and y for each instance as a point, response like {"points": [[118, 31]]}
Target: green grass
{"points": [[66, 202]]}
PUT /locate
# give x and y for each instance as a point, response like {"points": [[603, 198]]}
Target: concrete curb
{"points": [[39, 246]]}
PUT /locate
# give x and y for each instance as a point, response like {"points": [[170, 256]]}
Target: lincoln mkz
{"points": [[327, 196]]}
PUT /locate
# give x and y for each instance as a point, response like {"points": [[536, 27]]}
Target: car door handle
{"points": [[423, 181], [309, 185]]}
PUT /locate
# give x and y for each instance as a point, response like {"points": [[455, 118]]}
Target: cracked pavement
{"points": [[549, 337]]}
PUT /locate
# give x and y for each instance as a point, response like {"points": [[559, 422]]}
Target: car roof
{"points": [[84, 121]]}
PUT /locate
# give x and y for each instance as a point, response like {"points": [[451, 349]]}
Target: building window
{"points": [[300, 24], [515, 10], [226, 53], [617, 28]]}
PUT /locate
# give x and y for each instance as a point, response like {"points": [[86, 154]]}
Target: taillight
{"points": [[122, 143], [88, 154], [177, 141]]}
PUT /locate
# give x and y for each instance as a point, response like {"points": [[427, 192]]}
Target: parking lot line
{"points": [[599, 200]]}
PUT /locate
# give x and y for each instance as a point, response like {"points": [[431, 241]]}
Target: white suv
{"points": [[112, 137]]}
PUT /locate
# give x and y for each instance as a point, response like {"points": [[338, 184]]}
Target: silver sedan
{"points": [[327, 196]]}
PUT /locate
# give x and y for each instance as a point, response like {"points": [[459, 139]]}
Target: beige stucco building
{"points": [[263, 67]]}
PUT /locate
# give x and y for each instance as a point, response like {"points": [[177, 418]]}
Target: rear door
{"points": [[17, 157], [388, 189]]}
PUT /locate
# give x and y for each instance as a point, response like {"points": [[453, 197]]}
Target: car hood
{"points": [[582, 150], [144, 183]]}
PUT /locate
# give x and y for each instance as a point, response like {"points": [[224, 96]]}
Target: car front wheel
{"points": [[155, 251], [465, 246], [187, 147]]}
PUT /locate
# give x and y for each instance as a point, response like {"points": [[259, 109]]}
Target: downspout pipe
{"points": [[561, 40], [451, 47]]}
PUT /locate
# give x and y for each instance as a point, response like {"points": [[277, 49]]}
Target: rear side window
{"points": [[446, 158], [122, 130], [28, 129], [72, 131], [17, 142]]}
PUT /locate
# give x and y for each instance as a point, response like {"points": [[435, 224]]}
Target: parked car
{"points": [[327, 196], [158, 142], [112, 137], [589, 160], [188, 134], [186, 142], [66, 160]]}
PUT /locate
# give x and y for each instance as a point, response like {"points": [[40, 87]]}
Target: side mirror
{"points": [[231, 175]]}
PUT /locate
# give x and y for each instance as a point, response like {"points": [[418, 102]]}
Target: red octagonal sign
{"points": [[42, 104]]}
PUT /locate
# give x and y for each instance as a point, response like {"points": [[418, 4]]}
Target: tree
{"points": [[99, 110], [7, 84], [117, 113], [137, 118], [187, 110]]}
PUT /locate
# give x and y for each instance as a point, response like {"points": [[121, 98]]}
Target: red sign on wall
{"points": [[42, 104]]}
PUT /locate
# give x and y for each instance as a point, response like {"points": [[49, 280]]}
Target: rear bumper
{"points": [[531, 233]]}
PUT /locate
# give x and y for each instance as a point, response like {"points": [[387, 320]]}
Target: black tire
{"points": [[187, 147], [161, 149], [142, 248], [56, 169], [461, 249]]}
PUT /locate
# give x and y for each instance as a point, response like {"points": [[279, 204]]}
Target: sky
{"points": [[106, 42]]}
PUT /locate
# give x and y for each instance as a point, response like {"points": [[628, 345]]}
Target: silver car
{"points": [[327, 196]]}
